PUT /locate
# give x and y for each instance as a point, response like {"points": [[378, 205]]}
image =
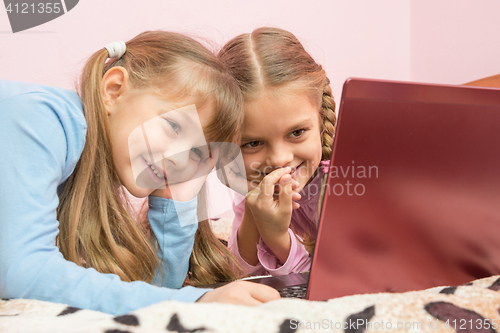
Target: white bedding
{"points": [[420, 311]]}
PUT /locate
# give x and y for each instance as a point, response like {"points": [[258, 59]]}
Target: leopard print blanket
{"points": [[474, 307]]}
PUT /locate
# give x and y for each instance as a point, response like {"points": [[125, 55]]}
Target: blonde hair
{"points": [[96, 229], [273, 60]]}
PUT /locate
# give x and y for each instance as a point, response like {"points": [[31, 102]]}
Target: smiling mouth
{"points": [[158, 173], [294, 170]]}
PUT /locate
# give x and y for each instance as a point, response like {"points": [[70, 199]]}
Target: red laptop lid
{"points": [[413, 194]]}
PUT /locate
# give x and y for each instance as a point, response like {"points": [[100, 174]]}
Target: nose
{"points": [[279, 156], [177, 157]]}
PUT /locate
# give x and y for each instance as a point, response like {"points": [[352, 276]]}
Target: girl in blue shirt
{"points": [[65, 233]]}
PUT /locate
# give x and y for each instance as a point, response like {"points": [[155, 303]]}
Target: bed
{"points": [[473, 307]]}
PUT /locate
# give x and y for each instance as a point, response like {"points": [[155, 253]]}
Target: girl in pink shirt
{"points": [[286, 145]]}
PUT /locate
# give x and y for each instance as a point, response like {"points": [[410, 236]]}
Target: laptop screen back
{"points": [[413, 194]]}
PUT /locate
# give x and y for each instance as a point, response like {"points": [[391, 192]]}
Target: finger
{"points": [[296, 196], [295, 205], [295, 184], [252, 196], [267, 184], [262, 293], [285, 196]]}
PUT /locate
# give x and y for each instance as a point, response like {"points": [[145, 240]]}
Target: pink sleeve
{"points": [[248, 269], [298, 258]]}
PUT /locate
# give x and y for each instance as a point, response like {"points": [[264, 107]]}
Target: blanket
{"points": [[473, 307]]}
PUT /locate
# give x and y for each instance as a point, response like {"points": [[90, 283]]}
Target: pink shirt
{"points": [[304, 219]]}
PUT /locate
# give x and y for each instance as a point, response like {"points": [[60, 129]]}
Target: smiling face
{"points": [[280, 132], [156, 143]]}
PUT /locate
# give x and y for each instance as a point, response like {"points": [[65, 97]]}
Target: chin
{"points": [[303, 182]]}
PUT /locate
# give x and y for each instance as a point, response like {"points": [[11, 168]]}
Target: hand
{"points": [[241, 292], [271, 202], [271, 205]]}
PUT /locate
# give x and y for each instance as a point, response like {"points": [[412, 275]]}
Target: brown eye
{"points": [[297, 133], [252, 144]]}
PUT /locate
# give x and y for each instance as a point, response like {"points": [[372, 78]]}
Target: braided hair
{"points": [[273, 60]]}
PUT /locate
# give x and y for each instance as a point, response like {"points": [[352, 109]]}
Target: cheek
{"points": [[156, 136], [311, 152], [136, 144], [121, 157], [252, 163]]}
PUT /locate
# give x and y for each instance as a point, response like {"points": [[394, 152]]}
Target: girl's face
{"points": [[281, 132], [157, 143]]}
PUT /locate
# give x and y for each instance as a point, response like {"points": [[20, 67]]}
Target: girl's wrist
{"points": [[248, 238], [272, 231], [279, 244]]}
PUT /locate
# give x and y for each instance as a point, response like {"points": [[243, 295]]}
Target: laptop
{"points": [[412, 199]]}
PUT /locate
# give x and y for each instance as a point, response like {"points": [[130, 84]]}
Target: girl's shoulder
{"points": [[22, 95], [324, 166], [43, 120]]}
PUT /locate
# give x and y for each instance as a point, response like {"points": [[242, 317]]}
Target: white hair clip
{"points": [[116, 49]]}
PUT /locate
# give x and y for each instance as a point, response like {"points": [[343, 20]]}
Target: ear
{"points": [[115, 85]]}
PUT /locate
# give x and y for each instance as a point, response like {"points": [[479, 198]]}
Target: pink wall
{"points": [[446, 41], [454, 41], [361, 38]]}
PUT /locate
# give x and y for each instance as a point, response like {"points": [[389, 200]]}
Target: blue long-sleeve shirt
{"points": [[42, 134]]}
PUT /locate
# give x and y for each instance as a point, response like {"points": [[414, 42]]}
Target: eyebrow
{"points": [[302, 123], [183, 114], [248, 139]]}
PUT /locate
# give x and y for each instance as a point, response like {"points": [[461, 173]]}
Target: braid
{"points": [[270, 59], [329, 120]]}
